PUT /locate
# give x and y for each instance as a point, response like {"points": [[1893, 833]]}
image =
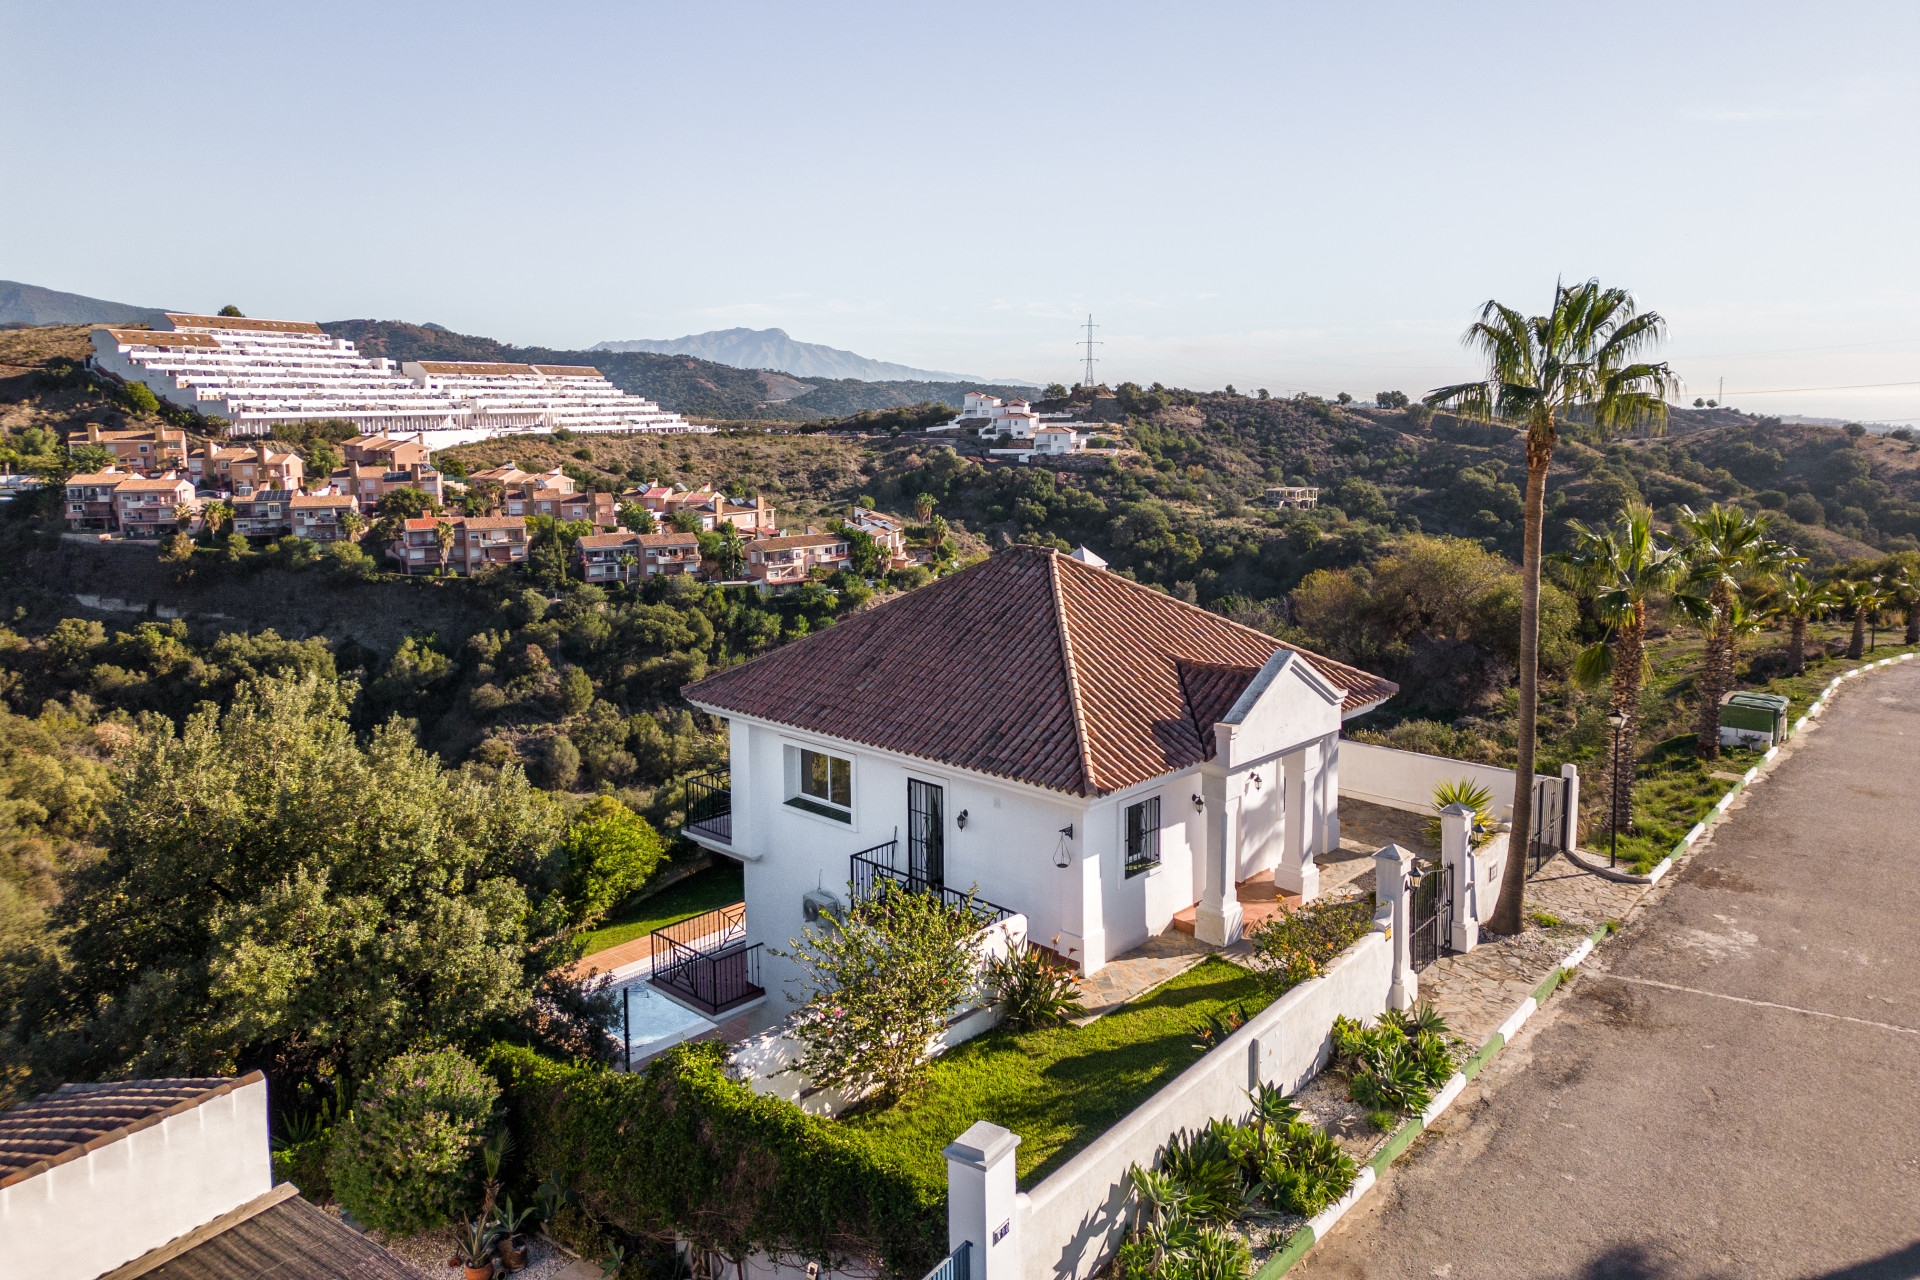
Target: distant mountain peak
{"points": [[775, 349], [32, 304]]}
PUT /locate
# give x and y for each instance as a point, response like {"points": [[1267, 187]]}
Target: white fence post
{"points": [[980, 1200], [1391, 867], [1456, 852], [1570, 838]]}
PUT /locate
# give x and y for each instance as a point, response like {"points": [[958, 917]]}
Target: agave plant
{"points": [[1206, 1164], [1271, 1109], [1475, 797], [1036, 992], [1423, 1017], [1306, 1172]]}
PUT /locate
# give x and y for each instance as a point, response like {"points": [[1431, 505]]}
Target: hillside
{"points": [[698, 388], [774, 349], [29, 304]]}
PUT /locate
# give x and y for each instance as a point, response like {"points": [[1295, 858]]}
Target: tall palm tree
{"points": [[1861, 598], [1581, 361], [1727, 551], [1799, 598], [1623, 568]]}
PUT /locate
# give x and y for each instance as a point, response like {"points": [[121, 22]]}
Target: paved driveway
{"points": [[1733, 1090]]}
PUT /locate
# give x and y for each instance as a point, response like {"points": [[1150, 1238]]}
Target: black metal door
{"points": [[926, 835], [1549, 820], [1431, 920]]}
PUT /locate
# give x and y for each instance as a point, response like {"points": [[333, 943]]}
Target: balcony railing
{"points": [[871, 867], [707, 962], [710, 806]]}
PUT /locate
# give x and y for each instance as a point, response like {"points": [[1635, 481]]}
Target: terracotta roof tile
{"points": [[1117, 683]]}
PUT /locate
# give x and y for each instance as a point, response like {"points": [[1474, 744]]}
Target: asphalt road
{"points": [[1733, 1090]]}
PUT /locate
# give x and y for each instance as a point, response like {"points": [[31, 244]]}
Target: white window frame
{"points": [[795, 798]]}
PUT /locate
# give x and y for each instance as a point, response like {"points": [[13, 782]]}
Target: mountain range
{"points": [[775, 349], [30, 304]]}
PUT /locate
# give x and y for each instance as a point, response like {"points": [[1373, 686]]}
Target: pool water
{"points": [[654, 1022]]}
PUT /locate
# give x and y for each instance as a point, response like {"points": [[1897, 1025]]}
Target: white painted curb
{"points": [[1322, 1222]]}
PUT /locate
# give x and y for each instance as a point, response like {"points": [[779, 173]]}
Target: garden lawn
{"points": [[700, 892], [1060, 1089]]}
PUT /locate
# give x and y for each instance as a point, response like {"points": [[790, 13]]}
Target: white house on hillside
{"points": [[1070, 745]]}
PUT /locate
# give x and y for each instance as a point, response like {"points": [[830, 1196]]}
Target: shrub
{"points": [[1399, 1063], [1296, 945], [1475, 797], [1037, 992], [680, 1147], [611, 851], [406, 1158]]}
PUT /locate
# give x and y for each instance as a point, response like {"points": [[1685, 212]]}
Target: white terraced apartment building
{"points": [[259, 374]]}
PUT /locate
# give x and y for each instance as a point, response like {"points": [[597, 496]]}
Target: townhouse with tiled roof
{"points": [[478, 542], [1066, 743], [629, 557]]}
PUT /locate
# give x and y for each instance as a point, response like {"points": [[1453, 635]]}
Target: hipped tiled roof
{"points": [[1032, 666]]}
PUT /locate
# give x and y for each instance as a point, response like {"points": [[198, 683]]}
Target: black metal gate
{"points": [[1549, 821], [926, 835], [1432, 915]]}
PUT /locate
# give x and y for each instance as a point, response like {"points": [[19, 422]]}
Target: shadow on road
{"points": [[1633, 1262]]}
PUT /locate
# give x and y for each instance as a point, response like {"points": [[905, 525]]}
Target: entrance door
{"points": [[926, 835]]}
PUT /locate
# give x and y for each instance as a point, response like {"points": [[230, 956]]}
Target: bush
{"points": [[406, 1158], [1036, 991], [1293, 946], [1399, 1063], [611, 851], [683, 1148]]}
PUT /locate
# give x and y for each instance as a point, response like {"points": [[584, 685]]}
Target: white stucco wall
{"points": [[1071, 1223], [89, 1215], [1406, 779]]}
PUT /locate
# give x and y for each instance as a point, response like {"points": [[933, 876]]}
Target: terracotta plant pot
{"points": [[480, 1273]]}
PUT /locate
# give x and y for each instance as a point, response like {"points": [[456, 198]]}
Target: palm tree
{"points": [[923, 508], [1622, 567], [443, 539], [1903, 589], [1727, 551], [1799, 598], [216, 515], [353, 524], [1862, 597], [1580, 360]]}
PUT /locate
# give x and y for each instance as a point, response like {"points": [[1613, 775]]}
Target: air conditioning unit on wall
{"points": [[821, 904]]}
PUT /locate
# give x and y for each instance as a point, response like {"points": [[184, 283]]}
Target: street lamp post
{"points": [[1618, 721]]}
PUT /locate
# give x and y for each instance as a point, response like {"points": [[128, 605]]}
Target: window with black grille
{"points": [[1143, 836]]}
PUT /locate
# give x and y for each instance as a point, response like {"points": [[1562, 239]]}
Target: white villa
{"points": [[1068, 744]]}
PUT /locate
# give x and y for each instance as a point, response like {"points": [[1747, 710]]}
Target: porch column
{"points": [[1301, 826], [1217, 918]]}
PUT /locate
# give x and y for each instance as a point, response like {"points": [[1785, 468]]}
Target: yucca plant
{"points": [[1469, 793], [1037, 993]]}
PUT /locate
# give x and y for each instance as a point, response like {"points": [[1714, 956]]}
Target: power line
{"points": [[1781, 391]]}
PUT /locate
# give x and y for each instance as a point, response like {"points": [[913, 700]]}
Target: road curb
{"points": [[1304, 1238]]}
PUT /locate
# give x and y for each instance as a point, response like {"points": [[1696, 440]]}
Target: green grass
{"points": [[1059, 1089], [703, 891]]}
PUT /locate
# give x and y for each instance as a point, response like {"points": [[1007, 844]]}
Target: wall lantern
{"points": [[1062, 856], [960, 820], [1198, 803]]}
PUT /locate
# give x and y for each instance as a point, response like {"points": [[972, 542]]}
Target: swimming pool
{"points": [[653, 1021]]}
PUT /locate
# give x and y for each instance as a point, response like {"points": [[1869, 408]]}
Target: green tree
{"points": [[685, 520], [217, 515], [1798, 599], [394, 509], [880, 986], [1580, 362], [1861, 598], [562, 759], [1727, 551], [611, 851], [406, 1159], [319, 457], [231, 310], [274, 893], [637, 518], [923, 508], [1622, 569], [443, 540], [725, 548], [1903, 589], [139, 398]]}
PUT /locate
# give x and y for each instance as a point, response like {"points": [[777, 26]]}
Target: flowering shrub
{"points": [[407, 1157], [1296, 945], [881, 986]]}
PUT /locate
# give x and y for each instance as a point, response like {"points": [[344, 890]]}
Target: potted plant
{"points": [[475, 1244], [512, 1238]]}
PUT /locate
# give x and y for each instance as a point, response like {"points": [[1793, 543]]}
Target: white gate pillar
{"points": [[1456, 853], [1391, 867], [981, 1201], [1570, 838]]}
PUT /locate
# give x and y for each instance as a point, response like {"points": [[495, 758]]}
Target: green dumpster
{"points": [[1755, 720]]}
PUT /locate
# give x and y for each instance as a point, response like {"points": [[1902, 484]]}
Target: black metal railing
{"points": [[956, 1265], [707, 960], [872, 867], [710, 806]]}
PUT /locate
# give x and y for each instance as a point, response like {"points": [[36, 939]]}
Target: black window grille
{"points": [[1143, 836]]}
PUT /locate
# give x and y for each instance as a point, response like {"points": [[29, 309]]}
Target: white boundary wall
{"points": [[1406, 779], [1073, 1221]]}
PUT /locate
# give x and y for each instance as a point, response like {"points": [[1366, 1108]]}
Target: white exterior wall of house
{"points": [[1277, 753], [86, 1216]]}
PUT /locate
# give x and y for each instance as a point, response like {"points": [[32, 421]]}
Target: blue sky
{"points": [[1293, 196]]}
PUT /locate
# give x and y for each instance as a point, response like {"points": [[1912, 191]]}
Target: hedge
{"points": [[683, 1149]]}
